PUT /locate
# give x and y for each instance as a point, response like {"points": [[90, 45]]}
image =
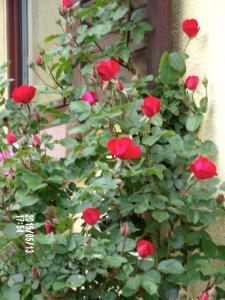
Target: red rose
{"points": [[39, 59], [145, 248], [191, 82], [107, 69], [119, 85], [68, 3], [49, 227], [36, 141], [204, 296], [124, 148], [203, 168], [91, 216], [36, 273], [90, 97], [150, 106], [23, 94], [190, 27], [11, 138]]}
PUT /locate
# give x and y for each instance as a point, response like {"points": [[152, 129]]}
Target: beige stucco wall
{"points": [[207, 58], [42, 15]]}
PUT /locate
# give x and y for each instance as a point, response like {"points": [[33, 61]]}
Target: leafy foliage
{"points": [[155, 194]]}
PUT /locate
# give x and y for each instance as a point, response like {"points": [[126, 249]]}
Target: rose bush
{"points": [[125, 214]]}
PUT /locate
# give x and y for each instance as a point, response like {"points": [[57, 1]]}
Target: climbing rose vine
{"points": [[124, 214]]}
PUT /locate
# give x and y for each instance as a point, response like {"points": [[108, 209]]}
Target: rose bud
{"points": [[37, 116], [39, 59], [23, 94], [49, 227], [145, 248], [220, 198], [91, 215], [119, 85], [90, 97], [124, 148], [203, 168], [68, 3], [36, 141], [192, 82], [190, 27], [204, 296], [11, 138], [150, 106], [107, 69], [124, 230], [36, 273]]}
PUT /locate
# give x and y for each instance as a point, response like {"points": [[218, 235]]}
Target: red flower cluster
{"points": [[107, 69], [11, 138], [23, 94], [91, 216], [39, 59], [150, 106], [49, 227], [90, 97], [204, 296], [124, 148], [36, 141], [145, 248], [67, 3], [192, 82], [203, 168], [190, 27]]}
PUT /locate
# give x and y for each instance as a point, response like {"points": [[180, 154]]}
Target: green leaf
{"points": [[171, 266], [203, 105], [11, 295], [166, 73], [176, 61], [193, 122], [150, 287], [147, 263], [176, 143], [10, 231], [137, 34], [131, 286], [115, 261], [120, 12], [151, 140], [32, 180], [129, 245], [137, 15], [80, 106], [160, 216], [76, 281], [58, 285], [51, 37]]}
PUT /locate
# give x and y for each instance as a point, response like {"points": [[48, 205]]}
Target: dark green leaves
{"points": [[171, 68], [171, 266]]}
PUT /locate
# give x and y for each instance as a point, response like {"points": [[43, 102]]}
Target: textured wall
{"points": [[207, 57], [42, 15]]}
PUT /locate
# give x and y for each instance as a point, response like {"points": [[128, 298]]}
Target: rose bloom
{"points": [[91, 216], [119, 85], [124, 148], [36, 141], [107, 69], [39, 59], [68, 3], [23, 94], [150, 106], [49, 227], [204, 296], [192, 82], [190, 27], [145, 248], [203, 168], [90, 97], [11, 138]]}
